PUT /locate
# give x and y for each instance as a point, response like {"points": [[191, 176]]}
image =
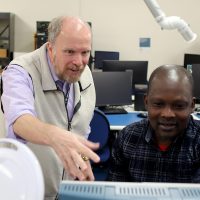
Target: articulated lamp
{"points": [[172, 22], [21, 176]]}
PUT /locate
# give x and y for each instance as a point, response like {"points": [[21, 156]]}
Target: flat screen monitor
{"points": [[138, 68], [112, 88], [196, 79], [85, 190], [99, 56], [190, 59]]}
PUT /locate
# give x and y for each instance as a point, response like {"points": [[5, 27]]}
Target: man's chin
{"points": [[167, 135], [72, 79]]}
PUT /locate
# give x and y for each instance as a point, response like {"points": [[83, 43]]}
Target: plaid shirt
{"points": [[136, 158]]}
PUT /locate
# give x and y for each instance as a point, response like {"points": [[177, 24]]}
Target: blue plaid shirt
{"points": [[136, 158]]}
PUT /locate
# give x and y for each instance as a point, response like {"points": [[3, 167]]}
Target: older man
{"points": [[48, 100]]}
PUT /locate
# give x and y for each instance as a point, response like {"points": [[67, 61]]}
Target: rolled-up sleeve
{"points": [[17, 97]]}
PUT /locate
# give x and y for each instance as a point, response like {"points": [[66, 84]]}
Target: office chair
{"points": [[100, 130]]}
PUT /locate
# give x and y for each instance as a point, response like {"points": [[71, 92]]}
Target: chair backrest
{"points": [[100, 130]]}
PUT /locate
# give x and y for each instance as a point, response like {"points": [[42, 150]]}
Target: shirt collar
{"points": [[84, 82], [149, 134], [150, 138]]}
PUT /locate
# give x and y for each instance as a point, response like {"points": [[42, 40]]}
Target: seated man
{"points": [[166, 146]]}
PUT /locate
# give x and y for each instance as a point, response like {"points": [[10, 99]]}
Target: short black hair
{"points": [[166, 68]]}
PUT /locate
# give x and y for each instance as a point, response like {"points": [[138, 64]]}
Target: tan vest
{"points": [[50, 108]]}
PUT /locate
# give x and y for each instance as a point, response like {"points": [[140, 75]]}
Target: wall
{"points": [[116, 24]]}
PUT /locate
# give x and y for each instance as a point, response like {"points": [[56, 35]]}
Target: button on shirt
{"points": [[136, 158]]}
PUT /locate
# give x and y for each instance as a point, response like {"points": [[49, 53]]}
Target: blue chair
{"points": [[100, 130]]}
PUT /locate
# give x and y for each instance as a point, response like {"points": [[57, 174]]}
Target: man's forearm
{"points": [[33, 130]]}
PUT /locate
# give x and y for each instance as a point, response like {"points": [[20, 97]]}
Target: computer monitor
{"points": [[99, 56], [196, 78], [138, 68], [84, 190], [190, 59], [112, 88]]}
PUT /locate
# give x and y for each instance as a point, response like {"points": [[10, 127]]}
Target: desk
{"points": [[119, 121]]}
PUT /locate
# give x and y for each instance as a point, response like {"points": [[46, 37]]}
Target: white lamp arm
{"points": [[172, 22]]}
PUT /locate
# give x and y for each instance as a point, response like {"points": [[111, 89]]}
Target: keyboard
{"points": [[113, 110]]}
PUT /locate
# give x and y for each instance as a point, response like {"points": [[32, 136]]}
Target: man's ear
{"points": [[50, 51], [49, 47], [193, 104], [146, 101]]}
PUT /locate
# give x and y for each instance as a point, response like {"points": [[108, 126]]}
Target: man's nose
{"points": [[167, 111], [77, 59]]}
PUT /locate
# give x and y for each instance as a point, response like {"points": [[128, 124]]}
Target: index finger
{"points": [[90, 144]]}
